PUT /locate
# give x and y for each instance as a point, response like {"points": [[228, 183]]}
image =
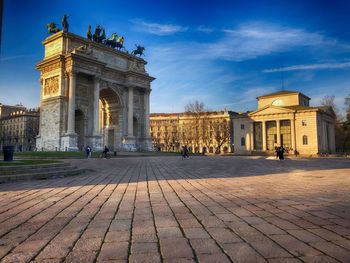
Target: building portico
{"points": [[298, 128]]}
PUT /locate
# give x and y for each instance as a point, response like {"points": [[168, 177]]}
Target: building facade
{"points": [[92, 94], [285, 119], [209, 132], [20, 128]]}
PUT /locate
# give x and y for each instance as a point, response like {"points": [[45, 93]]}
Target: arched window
{"points": [[242, 141], [305, 140]]}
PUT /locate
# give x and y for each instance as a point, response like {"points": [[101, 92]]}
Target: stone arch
{"points": [[110, 111], [80, 123]]}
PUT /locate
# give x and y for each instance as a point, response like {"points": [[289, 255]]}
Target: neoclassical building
{"points": [[206, 131], [18, 128], [93, 95], [285, 118]]}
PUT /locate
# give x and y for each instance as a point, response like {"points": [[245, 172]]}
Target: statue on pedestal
{"points": [[88, 34], [65, 24]]}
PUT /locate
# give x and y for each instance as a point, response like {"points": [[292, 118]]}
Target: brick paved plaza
{"points": [[165, 209]]}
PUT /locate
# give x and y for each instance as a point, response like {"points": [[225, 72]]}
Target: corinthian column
{"points": [[96, 105], [71, 104], [130, 112], [146, 102], [264, 135]]}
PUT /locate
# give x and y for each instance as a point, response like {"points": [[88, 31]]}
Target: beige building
{"points": [[92, 94], [6, 110], [19, 128], [285, 118], [210, 132]]}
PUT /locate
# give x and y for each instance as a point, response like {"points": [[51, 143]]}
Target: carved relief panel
{"points": [[51, 87]]}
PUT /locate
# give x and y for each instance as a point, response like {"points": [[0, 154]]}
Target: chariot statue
{"points": [[52, 28], [112, 41], [138, 51], [65, 24], [97, 36], [120, 42]]}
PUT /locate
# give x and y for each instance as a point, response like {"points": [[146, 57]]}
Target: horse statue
{"points": [[65, 24], [52, 28], [97, 36], [88, 34], [120, 42], [138, 51], [112, 41]]}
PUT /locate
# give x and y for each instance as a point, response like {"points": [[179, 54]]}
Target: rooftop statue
{"points": [[88, 34], [97, 37], [120, 42], [52, 28], [112, 41], [65, 24], [138, 51]]}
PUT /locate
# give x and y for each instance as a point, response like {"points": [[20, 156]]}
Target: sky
{"points": [[223, 53]]}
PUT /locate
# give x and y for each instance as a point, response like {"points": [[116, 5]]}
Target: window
{"points": [[242, 126], [304, 123], [305, 140], [242, 141]]}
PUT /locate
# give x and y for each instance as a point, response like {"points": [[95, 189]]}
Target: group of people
{"points": [[88, 151], [279, 153]]}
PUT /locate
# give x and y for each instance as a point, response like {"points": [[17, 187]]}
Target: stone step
{"points": [[36, 170], [42, 175], [20, 168]]}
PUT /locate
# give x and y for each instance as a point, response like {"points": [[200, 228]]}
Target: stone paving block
{"points": [[88, 244], [80, 257], [20, 257], [205, 246], [242, 252], [285, 260], [213, 258], [144, 248], [112, 251], [117, 236], [175, 248], [169, 232], [223, 235], [269, 229], [333, 250], [294, 246], [326, 234], [318, 259], [145, 258], [193, 233], [305, 236]]}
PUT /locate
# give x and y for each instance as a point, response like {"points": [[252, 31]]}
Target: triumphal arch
{"points": [[92, 94]]}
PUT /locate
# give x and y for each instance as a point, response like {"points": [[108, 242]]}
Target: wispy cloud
{"points": [[157, 29], [309, 67], [17, 57], [205, 29]]}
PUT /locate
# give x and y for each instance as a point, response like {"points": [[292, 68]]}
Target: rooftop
{"points": [[281, 92]]}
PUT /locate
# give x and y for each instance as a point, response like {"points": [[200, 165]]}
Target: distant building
{"points": [[209, 132], [285, 118], [6, 110], [19, 128]]}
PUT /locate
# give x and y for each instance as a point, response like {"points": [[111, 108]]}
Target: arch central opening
{"points": [[110, 113]]}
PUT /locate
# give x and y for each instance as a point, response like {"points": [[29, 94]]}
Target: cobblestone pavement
{"points": [[165, 209]]}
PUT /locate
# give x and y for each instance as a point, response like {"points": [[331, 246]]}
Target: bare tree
{"points": [[195, 107], [221, 131], [330, 102]]}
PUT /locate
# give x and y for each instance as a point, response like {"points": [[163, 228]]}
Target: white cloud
{"points": [[17, 57], [157, 29], [310, 67], [205, 29]]}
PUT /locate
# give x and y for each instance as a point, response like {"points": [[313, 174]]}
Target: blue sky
{"points": [[224, 53]]}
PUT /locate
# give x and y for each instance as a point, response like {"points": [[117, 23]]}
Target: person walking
{"points": [[281, 153], [88, 152], [105, 151]]}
